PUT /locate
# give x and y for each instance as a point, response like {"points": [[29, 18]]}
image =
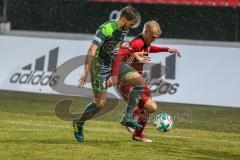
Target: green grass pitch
{"points": [[29, 130]]}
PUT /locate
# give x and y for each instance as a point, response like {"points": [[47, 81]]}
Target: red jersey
{"points": [[126, 51]]}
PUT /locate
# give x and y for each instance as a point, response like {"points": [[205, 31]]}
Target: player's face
{"points": [[151, 36], [129, 24]]}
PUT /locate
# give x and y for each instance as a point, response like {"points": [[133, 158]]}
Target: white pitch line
{"points": [[121, 131]]}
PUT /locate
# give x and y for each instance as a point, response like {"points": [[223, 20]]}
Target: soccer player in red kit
{"points": [[135, 55]]}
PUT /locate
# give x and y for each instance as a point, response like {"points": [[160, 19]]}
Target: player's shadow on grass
{"points": [[63, 141], [37, 141], [106, 142]]}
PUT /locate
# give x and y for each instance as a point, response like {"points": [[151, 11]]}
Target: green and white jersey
{"points": [[108, 38]]}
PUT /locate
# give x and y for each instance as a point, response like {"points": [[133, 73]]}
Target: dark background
{"points": [[77, 16], [1, 9]]}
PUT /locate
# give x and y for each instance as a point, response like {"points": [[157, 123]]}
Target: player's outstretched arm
{"points": [[156, 49], [175, 51], [88, 61]]}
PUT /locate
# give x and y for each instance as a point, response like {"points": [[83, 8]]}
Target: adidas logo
{"points": [[154, 79], [158, 70], [38, 76]]}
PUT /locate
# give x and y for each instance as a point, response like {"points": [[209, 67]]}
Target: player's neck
{"points": [[144, 38], [119, 23]]}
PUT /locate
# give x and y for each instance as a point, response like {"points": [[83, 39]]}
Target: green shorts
{"points": [[99, 76], [125, 69]]}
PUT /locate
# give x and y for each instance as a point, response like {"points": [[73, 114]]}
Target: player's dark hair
{"points": [[129, 13]]}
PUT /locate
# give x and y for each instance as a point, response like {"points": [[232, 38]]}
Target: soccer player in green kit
{"points": [[98, 62]]}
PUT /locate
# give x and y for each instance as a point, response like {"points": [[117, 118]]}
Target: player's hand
{"points": [[142, 57], [175, 51], [112, 81], [83, 79]]}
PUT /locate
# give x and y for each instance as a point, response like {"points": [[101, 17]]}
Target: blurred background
{"points": [[215, 20]]}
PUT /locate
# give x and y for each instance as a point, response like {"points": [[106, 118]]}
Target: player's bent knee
{"points": [[135, 79], [150, 106], [100, 103]]}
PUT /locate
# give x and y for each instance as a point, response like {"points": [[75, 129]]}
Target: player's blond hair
{"points": [[152, 26]]}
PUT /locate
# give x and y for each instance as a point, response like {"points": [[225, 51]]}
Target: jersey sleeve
{"points": [[117, 62], [155, 49], [99, 38]]}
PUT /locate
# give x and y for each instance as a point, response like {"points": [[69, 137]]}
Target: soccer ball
{"points": [[163, 122]]}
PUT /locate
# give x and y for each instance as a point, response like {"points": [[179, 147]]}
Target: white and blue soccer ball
{"points": [[163, 122]]}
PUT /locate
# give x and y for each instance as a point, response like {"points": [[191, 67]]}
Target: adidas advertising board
{"points": [[37, 75], [204, 75]]}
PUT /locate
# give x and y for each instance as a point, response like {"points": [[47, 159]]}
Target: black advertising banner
{"points": [[199, 22], [219, 3], [1, 9]]}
